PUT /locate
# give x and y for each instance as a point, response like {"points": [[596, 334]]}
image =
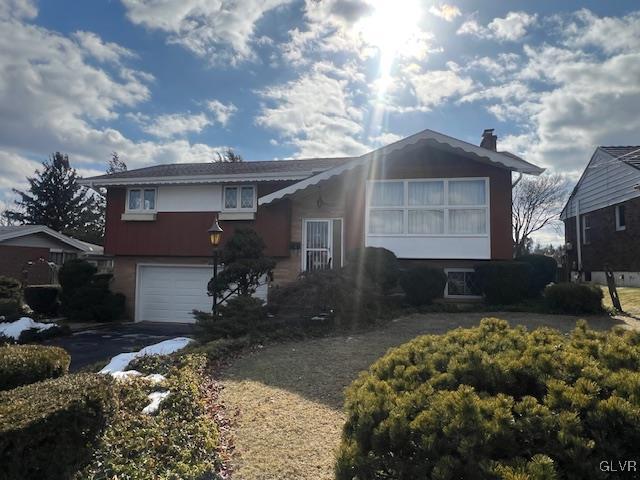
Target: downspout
{"points": [[517, 180], [578, 237]]}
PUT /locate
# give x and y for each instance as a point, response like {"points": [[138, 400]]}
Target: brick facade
{"points": [[26, 264], [620, 250]]}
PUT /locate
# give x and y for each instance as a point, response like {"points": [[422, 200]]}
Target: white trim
{"points": [[238, 209], [142, 209], [620, 228], [329, 220], [136, 312], [445, 207], [446, 286]]}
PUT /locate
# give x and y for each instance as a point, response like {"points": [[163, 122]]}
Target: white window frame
{"points": [[142, 209], [445, 208], [446, 287], [619, 227], [239, 198], [585, 228], [303, 249]]}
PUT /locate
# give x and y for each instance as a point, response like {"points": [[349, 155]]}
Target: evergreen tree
{"points": [[229, 156], [55, 199], [115, 165]]}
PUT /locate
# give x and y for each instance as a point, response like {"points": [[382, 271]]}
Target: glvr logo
{"points": [[618, 466]]}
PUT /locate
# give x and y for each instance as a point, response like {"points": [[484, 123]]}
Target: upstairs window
{"points": [[621, 220], [241, 197], [141, 199], [586, 229]]}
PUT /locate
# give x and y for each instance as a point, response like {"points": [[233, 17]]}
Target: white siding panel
{"points": [[605, 182], [473, 248], [189, 198]]}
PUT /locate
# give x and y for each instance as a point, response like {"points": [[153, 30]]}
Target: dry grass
{"points": [[289, 396], [629, 299]]}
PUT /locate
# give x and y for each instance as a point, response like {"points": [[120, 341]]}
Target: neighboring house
{"points": [[428, 197], [602, 217], [33, 253]]}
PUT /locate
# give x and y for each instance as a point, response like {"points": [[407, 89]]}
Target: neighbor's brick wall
{"points": [[14, 263], [618, 249], [124, 274]]}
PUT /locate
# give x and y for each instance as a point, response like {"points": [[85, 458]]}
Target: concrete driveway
{"points": [[96, 344]]}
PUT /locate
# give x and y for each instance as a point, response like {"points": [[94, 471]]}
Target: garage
{"points": [[168, 293]]}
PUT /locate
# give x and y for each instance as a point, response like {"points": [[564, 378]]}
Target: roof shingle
{"points": [[629, 154]]}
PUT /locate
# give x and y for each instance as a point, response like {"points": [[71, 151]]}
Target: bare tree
{"points": [[115, 165], [536, 203], [229, 156]]}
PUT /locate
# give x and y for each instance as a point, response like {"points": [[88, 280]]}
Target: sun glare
{"points": [[390, 28]]}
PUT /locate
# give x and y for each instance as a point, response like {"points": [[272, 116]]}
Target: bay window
{"points": [[454, 207]]}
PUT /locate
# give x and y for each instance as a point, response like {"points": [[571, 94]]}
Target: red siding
{"points": [[184, 234]]}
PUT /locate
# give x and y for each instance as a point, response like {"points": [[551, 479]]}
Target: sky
{"points": [[165, 81]]}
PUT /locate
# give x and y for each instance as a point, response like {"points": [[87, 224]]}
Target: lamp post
{"points": [[215, 235]]}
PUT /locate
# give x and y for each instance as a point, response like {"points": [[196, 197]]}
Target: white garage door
{"points": [[170, 293]]}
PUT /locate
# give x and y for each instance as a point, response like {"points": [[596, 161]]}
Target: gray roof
{"points": [[311, 165], [14, 231], [629, 154]]}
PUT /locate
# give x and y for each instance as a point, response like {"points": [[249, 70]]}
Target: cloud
{"points": [[100, 50], [316, 114], [221, 112], [220, 30], [510, 28], [176, 124], [609, 34], [433, 87], [18, 9], [445, 11]]}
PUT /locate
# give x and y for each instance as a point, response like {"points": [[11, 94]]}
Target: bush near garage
{"points": [[422, 285], [503, 282], [48, 429], [544, 270], [379, 265], [574, 298], [495, 402], [43, 299], [26, 364], [239, 316]]}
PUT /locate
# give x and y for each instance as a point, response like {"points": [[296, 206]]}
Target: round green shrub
{"points": [[10, 288], [75, 274], [574, 298], [10, 309], [422, 285], [378, 265], [495, 402], [25, 364], [543, 271], [240, 315], [43, 299], [503, 282]]}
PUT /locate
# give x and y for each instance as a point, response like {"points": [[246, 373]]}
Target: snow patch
{"points": [[155, 378], [156, 398], [15, 329], [120, 362], [128, 374]]}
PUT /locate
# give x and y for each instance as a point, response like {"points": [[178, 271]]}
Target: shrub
{"points": [[10, 288], [75, 274], [25, 364], [48, 429], [43, 299], [379, 265], [573, 298], [543, 271], [494, 402], [91, 301], [10, 309], [503, 282], [241, 315], [422, 285]]}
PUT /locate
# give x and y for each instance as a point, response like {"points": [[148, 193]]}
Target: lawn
{"points": [[629, 298], [286, 399]]}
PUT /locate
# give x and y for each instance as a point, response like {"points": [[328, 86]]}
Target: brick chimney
{"points": [[489, 140]]}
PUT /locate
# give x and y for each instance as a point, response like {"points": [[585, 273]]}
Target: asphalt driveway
{"points": [[100, 343]]}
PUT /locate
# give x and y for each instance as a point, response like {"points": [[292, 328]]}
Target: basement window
{"points": [[461, 283], [621, 221]]}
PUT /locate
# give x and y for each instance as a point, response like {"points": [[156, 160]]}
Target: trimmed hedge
{"points": [[25, 364], [379, 265], [503, 282], [574, 298], [10, 298], [422, 285], [494, 402], [42, 299], [544, 270], [49, 429], [239, 316]]}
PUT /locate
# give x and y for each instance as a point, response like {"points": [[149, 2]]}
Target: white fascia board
{"points": [[52, 233]]}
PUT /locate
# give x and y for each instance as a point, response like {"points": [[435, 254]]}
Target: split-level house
{"points": [[602, 218], [428, 197]]}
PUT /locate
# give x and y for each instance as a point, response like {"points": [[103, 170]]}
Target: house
{"points": [[33, 253], [428, 197], [602, 218]]}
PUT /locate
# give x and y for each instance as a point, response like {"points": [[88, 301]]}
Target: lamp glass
{"points": [[215, 234]]}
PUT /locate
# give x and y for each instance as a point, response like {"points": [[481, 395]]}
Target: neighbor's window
{"points": [[428, 207], [586, 229], [621, 221], [462, 283], [142, 199], [239, 197]]}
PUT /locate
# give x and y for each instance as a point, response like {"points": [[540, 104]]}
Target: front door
{"points": [[322, 244]]}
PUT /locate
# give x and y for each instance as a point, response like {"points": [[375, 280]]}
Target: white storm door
{"points": [[317, 245]]}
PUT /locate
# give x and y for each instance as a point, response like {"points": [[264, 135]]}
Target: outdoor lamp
{"points": [[215, 233]]}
